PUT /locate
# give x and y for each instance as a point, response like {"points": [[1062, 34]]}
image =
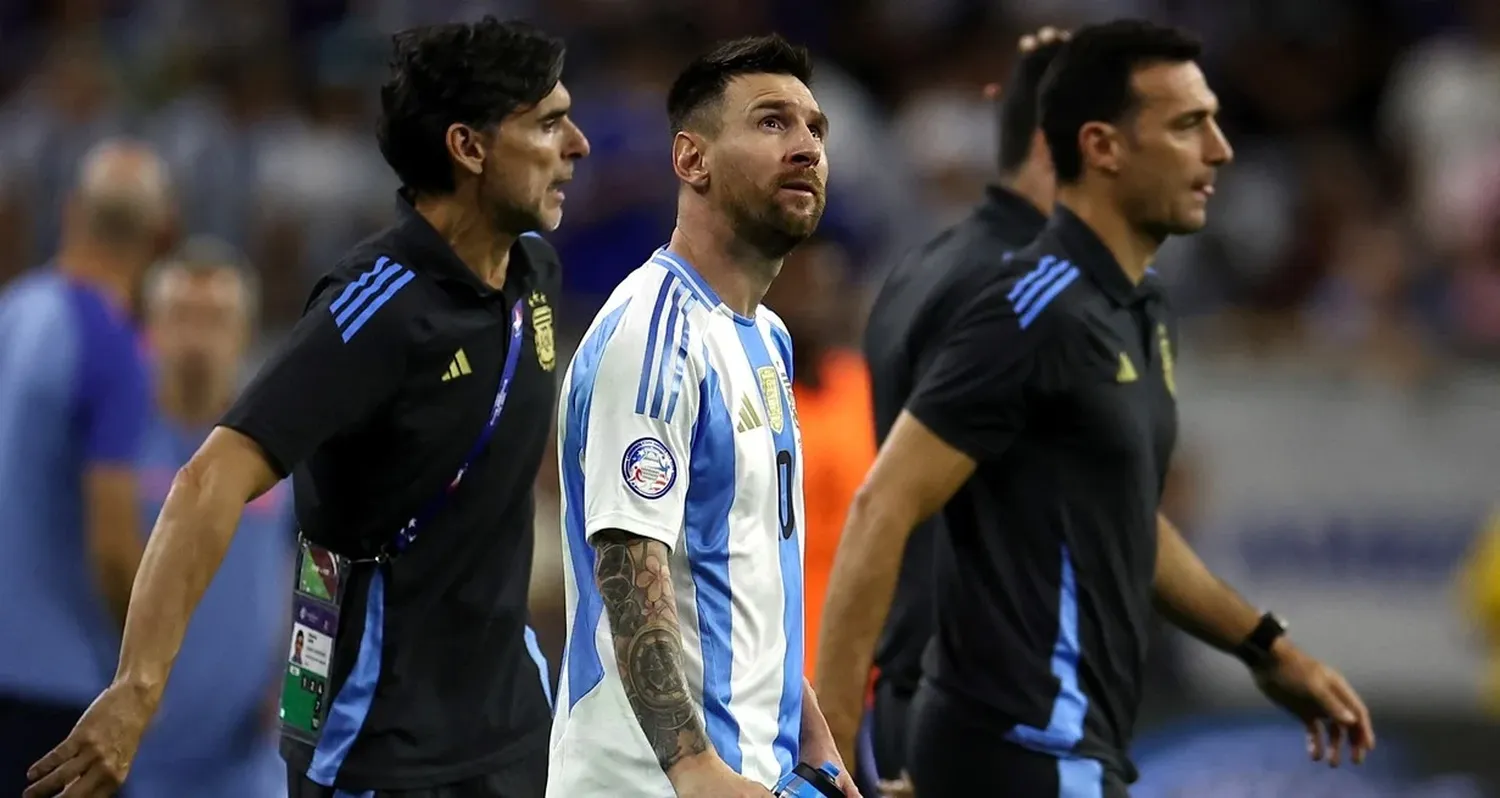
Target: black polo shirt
{"points": [[371, 405], [1057, 379], [912, 311]]}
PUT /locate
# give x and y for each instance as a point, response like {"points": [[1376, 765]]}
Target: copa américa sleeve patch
{"points": [[649, 468]]}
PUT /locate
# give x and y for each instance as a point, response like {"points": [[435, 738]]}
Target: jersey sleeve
{"points": [[113, 392], [344, 359], [641, 420], [973, 392]]}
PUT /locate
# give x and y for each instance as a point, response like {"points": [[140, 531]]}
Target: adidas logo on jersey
{"points": [[1127, 370], [749, 418], [457, 367]]}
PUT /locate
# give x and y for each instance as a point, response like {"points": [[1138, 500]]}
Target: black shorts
{"points": [[524, 778], [949, 755], [891, 710], [28, 730]]}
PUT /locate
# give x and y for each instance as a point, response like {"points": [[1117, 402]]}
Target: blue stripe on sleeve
{"points": [[366, 291], [1037, 286], [682, 355], [355, 287], [668, 354], [1020, 287], [385, 296], [649, 358], [581, 660], [1041, 303], [706, 521]]}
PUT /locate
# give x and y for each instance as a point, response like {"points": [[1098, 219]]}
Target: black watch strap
{"points": [[1255, 649]]}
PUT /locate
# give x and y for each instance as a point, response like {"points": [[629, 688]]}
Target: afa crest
{"points": [[542, 331], [770, 389], [1167, 365]]}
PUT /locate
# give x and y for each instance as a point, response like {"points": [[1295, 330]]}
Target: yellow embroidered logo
{"points": [[541, 329], [749, 419], [1167, 363], [457, 367], [770, 388], [1127, 370]]}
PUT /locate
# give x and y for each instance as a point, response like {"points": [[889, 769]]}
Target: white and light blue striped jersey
{"points": [[677, 424]]}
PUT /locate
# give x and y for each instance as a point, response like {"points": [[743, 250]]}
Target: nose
{"points": [[806, 151], [1219, 151], [580, 143]]}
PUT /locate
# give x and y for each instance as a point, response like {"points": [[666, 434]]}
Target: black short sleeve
{"points": [[344, 359], [972, 393]]}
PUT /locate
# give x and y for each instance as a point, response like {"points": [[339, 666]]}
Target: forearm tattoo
{"points": [[636, 586]]}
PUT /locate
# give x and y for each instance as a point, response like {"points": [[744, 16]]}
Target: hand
{"points": [[898, 788], [846, 783], [1325, 703], [706, 776], [96, 757], [819, 749]]}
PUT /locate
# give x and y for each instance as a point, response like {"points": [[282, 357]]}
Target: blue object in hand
{"points": [[806, 782]]}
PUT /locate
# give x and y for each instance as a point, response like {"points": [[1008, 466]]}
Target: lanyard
{"points": [[408, 534]]}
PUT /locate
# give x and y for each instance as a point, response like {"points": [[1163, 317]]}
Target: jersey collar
{"points": [[1087, 252], [438, 259], [1009, 209]]}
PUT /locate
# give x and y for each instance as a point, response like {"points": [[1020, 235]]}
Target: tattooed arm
{"points": [[636, 586]]}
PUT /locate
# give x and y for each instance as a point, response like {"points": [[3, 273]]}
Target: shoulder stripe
{"points": [[676, 271], [681, 359], [669, 351], [358, 285], [1043, 267], [649, 358], [1044, 291], [385, 284]]}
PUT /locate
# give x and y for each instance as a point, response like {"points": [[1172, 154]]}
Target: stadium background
{"points": [[1340, 377]]}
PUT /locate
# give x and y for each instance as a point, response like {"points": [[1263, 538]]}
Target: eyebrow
{"points": [[555, 114], [818, 117]]}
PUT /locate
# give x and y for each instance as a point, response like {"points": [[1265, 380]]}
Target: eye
{"points": [[774, 123]]}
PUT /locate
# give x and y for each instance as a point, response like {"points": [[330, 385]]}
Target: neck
{"points": [[734, 269], [1133, 249], [192, 402], [476, 242], [106, 269], [1031, 183]]}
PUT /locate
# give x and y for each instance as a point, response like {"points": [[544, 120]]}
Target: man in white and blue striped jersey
{"points": [[681, 467]]}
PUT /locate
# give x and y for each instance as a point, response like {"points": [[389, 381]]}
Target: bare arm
{"points": [[894, 498], [114, 540], [192, 533], [636, 587], [1192, 598]]}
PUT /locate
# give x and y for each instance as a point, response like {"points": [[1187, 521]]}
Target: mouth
{"points": [[1203, 189], [800, 187], [557, 186]]}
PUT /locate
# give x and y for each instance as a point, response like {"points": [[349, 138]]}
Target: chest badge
{"points": [[541, 331], [770, 388], [1127, 370], [458, 366], [1167, 371]]}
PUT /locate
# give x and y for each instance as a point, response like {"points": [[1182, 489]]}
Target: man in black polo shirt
{"points": [[912, 311], [410, 406], [1043, 430]]}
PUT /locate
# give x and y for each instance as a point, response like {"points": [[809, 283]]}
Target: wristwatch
{"points": [[1255, 649]]}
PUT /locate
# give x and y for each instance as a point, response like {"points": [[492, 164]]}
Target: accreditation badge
{"points": [[316, 597]]}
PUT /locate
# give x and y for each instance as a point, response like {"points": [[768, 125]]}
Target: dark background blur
{"points": [[1340, 376]]}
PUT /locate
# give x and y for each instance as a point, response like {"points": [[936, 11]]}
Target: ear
{"points": [[690, 159], [465, 147], [1101, 147]]}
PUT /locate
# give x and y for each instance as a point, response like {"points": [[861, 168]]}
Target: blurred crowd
{"points": [[1361, 220]]}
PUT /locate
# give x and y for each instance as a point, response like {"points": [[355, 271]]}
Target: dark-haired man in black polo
{"points": [[1042, 430], [410, 406]]}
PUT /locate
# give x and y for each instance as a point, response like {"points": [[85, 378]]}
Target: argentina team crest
{"points": [[542, 332], [770, 388], [649, 468]]}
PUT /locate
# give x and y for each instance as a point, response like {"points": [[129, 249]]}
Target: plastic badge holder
{"points": [[805, 782]]}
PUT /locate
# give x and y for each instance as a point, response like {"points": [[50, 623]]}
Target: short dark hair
{"points": [[1018, 104], [701, 84], [474, 74], [1090, 81]]}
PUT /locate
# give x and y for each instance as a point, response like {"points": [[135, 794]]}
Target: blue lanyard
{"points": [[408, 534]]}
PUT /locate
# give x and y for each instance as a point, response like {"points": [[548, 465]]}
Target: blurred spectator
{"points": [[200, 312], [832, 392], [1480, 584]]}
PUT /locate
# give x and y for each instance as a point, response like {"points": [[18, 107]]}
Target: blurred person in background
{"points": [[410, 401], [216, 731], [832, 389], [74, 404], [1479, 582], [911, 313], [1045, 427]]}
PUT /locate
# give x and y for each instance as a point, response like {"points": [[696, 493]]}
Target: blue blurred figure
{"points": [[73, 406], [216, 731]]}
